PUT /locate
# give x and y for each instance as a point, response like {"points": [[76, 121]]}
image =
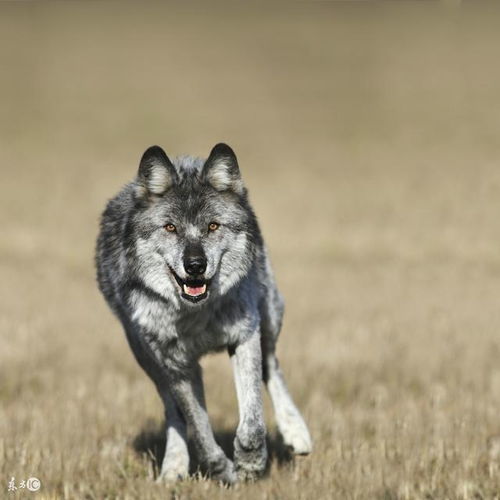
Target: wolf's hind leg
{"points": [[175, 463], [288, 418], [190, 398], [290, 422]]}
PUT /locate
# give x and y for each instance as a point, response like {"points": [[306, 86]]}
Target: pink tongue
{"points": [[195, 290]]}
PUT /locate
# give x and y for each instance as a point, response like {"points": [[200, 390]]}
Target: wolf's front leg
{"points": [[189, 395], [185, 385], [250, 452]]}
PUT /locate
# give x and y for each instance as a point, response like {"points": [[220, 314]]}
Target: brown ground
{"points": [[368, 136]]}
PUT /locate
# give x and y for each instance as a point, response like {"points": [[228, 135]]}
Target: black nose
{"points": [[195, 265]]}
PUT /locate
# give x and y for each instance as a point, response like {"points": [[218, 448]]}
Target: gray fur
{"points": [[173, 313]]}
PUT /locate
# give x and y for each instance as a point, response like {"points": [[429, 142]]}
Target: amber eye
{"points": [[213, 226], [170, 228]]}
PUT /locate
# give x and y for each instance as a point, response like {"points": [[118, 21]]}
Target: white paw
{"points": [[175, 467], [171, 475], [296, 435]]}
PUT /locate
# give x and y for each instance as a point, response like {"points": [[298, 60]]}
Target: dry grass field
{"points": [[368, 135]]}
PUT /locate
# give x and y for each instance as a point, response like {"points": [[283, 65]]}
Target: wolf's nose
{"points": [[195, 265]]}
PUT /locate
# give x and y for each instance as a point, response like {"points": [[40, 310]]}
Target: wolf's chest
{"points": [[201, 332], [192, 324]]}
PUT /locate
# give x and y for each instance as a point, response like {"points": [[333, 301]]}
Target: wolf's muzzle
{"points": [[195, 265], [194, 287], [195, 261]]}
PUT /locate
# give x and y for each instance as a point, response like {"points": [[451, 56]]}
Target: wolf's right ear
{"points": [[221, 170], [156, 172]]}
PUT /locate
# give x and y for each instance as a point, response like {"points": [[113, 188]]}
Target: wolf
{"points": [[181, 262]]}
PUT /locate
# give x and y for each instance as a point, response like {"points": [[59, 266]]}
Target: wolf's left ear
{"points": [[221, 170], [156, 172]]}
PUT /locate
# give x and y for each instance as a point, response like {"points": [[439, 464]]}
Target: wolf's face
{"points": [[194, 229]]}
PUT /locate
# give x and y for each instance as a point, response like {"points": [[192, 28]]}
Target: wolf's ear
{"points": [[156, 172], [221, 170]]}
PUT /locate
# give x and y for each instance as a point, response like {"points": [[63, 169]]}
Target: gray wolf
{"points": [[182, 263]]}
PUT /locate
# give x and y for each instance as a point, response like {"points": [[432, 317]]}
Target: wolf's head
{"points": [[193, 227]]}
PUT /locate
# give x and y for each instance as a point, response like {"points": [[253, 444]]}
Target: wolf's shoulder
{"points": [[112, 224], [119, 205]]}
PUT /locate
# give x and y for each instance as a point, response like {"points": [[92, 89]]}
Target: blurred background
{"points": [[367, 134]]}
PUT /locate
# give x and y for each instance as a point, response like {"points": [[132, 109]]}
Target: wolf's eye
{"points": [[213, 226], [170, 228]]}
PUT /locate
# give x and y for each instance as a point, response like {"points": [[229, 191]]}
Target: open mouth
{"points": [[192, 289]]}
